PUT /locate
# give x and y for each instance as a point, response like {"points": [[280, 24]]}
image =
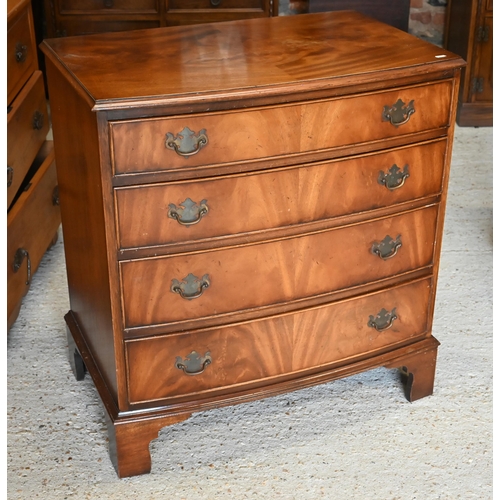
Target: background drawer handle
{"points": [[21, 52], [399, 113], [387, 248], [215, 3], [193, 364], [383, 320], [10, 175], [38, 120], [190, 287], [18, 260], [188, 213], [394, 178], [186, 143]]}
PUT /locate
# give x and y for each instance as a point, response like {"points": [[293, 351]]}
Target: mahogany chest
{"points": [[248, 208]]}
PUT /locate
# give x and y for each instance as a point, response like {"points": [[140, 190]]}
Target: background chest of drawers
{"points": [[469, 33], [264, 216], [32, 212], [77, 17]]}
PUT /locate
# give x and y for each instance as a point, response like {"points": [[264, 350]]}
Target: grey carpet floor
{"points": [[356, 438]]}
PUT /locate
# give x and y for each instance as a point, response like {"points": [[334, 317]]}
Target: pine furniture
{"points": [[33, 216]]}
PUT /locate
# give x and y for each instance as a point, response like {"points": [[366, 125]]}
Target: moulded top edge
{"points": [[259, 56]]}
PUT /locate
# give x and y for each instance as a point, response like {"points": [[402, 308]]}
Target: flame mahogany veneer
{"points": [[248, 208]]}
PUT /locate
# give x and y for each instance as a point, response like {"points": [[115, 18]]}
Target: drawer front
{"points": [[209, 284], [207, 140], [260, 352], [215, 4], [21, 52], [85, 7], [32, 224], [27, 128], [163, 214]]}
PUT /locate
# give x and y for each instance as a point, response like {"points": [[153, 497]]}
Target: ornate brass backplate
{"points": [[193, 363], [394, 178], [186, 143], [399, 113], [188, 213], [383, 320], [190, 287], [387, 248]]}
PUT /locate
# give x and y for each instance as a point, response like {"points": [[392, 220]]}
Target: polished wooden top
{"points": [[231, 59]]}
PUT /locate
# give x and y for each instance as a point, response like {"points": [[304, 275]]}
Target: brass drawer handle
{"points": [[21, 253], [190, 287], [383, 320], [21, 52], [387, 248], [186, 143], [10, 176], [188, 213], [399, 113], [394, 178], [194, 363], [38, 120]]}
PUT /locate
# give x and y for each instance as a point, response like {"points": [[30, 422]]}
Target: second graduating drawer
{"points": [[186, 212], [192, 286]]}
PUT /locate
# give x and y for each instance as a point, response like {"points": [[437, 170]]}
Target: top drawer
{"points": [[21, 52], [211, 139]]}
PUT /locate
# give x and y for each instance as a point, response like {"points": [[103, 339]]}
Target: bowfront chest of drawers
{"points": [[248, 208]]}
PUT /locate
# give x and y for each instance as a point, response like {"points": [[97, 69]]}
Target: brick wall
{"points": [[427, 17]]}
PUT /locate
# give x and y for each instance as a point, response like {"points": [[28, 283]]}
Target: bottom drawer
{"points": [[32, 225], [262, 352]]}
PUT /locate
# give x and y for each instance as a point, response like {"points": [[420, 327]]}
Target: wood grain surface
{"points": [[323, 50], [287, 344], [24, 140], [32, 225], [253, 276], [139, 146], [272, 199]]}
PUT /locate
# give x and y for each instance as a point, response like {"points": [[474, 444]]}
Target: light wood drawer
{"points": [[209, 4], [259, 352], [27, 128], [221, 207], [32, 224], [162, 290], [85, 7], [21, 51], [212, 139]]}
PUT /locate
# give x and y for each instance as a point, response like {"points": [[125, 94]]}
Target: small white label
{"points": [[440, 56]]}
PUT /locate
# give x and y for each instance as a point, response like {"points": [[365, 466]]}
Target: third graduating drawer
{"points": [[197, 285]]}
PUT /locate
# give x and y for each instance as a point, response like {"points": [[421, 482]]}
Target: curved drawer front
{"points": [[261, 351], [170, 144], [207, 284], [164, 214]]}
